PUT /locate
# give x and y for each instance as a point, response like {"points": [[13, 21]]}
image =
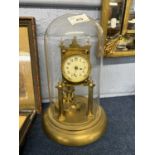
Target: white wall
{"points": [[118, 73]]}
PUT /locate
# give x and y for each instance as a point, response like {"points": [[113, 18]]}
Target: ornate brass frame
{"points": [[29, 23], [111, 44]]}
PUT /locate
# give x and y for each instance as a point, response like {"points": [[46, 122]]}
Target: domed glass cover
{"points": [[62, 31], [73, 44]]}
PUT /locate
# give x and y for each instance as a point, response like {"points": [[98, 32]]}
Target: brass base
{"points": [[81, 130]]}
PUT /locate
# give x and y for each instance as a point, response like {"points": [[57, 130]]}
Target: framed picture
{"points": [[29, 81], [118, 23]]}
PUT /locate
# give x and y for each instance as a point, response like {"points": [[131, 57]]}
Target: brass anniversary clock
{"points": [[72, 45]]}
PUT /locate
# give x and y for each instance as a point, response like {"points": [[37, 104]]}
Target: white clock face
{"points": [[75, 68]]}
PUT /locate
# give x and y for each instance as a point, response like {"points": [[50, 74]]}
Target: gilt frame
{"points": [[110, 44]]}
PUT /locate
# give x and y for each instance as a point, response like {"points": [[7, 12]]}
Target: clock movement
{"points": [[74, 116]]}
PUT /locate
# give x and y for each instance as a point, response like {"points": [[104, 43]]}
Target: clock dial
{"points": [[76, 68]]}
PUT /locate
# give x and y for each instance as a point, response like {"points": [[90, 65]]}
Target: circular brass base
{"points": [[75, 134]]}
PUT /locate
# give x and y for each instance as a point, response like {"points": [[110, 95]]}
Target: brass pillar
{"points": [[90, 98], [60, 101]]}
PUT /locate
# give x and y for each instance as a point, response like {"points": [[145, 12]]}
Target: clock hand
{"points": [[76, 67]]}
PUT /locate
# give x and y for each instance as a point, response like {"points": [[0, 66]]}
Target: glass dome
{"points": [[61, 30], [73, 43]]}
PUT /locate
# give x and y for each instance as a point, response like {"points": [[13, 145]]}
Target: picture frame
{"points": [[29, 79], [119, 29], [27, 24]]}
